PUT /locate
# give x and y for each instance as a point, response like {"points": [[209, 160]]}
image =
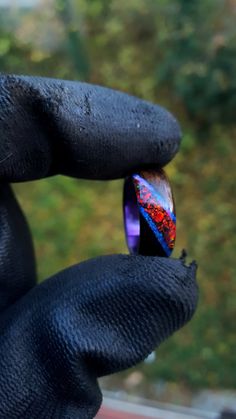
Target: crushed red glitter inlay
{"points": [[162, 220]]}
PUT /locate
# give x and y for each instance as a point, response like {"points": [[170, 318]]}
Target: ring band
{"points": [[149, 214]]}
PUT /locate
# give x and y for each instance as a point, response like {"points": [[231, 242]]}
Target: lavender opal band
{"points": [[149, 214]]}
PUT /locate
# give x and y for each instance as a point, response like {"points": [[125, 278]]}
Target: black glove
{"points": [[105, 314]]}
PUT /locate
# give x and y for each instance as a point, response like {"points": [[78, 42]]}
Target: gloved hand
{"points": [[102, 315]]}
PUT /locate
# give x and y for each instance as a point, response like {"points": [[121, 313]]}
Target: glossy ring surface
{"points": [[149, 214]]}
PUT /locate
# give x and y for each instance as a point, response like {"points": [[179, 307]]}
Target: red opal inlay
{"points": [[153, 194]]}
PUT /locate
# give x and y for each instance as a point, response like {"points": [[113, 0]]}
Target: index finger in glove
{"points": [[53, 126]]}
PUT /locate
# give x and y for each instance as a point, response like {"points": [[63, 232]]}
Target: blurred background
{"points": [[182, 55]]}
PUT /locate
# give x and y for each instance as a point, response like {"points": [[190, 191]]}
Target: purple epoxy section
{"points": [[131, 217]]}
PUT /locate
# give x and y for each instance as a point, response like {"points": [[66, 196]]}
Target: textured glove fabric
{"points": [[79, 130], [100, 316]]}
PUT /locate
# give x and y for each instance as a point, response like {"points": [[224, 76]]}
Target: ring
{"points": [[149, 214]]}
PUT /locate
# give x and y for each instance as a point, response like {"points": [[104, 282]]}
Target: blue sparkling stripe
{"points": [[155, 230], [158, 197]]}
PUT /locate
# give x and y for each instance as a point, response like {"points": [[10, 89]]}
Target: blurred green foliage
{"points": [[182, 55]]}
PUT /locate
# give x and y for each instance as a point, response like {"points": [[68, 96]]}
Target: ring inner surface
{"points": [[131, 216]]}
